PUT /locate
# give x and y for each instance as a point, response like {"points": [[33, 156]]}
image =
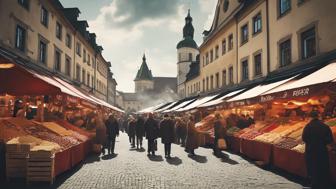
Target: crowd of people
{"points": [[181, 130]]}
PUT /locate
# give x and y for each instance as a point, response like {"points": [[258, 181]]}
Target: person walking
{"points": [[140, 131], [101, 136], [152, 133], [192, 137], [317, 136], [131, 131], [112, 130], [219, 133], [167, 134]]}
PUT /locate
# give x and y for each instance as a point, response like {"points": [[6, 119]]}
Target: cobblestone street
{"points": [[133, 169]]}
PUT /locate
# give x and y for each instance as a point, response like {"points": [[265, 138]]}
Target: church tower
{"points": [[187, 50], [144, 78]]}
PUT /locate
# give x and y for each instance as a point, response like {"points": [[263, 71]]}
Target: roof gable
{"points": [[144, 73]]}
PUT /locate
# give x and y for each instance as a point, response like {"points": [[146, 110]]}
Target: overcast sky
{"points": [[128, 28]]}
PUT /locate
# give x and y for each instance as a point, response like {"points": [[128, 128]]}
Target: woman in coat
{"points": [[167, 131], [192, 137]]}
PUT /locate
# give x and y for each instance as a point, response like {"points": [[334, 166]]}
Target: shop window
{"points": [[244, 34], [57, 61], [203, 85], [211, 55], [245, 71], [257, 65], [78, 49], [217, 51], [223, 46], [284, 7], [43, 52], [68, 40], [257, 24], [212, 82], [58, 30], [217, 80], [207, 83], [231, 75], [20, 38], [44, 16], [223, 77], [83, 76], [78, 72], [88, 79], [24, 3], [67, 66], [285, 53], [308, 43], [84, 55], [230, 47]]}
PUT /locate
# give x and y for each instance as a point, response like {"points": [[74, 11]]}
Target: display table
{"points": [[62, 161], [332, 157], [256, 150], [233, 143], [290, 161], [77, 154]]}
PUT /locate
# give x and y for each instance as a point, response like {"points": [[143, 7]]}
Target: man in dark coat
{"points": [[152, 133], [131, 131], [167, 131], [112, 131], [317, 136], [139, 131]]}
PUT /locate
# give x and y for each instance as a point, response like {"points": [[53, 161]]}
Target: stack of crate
{"points": [[40, 167], [16, 160]]}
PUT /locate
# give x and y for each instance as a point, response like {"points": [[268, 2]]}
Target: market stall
{"points": [[44, 118]]}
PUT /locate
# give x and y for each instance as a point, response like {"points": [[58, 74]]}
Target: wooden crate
{"points": [[17, 148], [16, 164], [40, 169]]}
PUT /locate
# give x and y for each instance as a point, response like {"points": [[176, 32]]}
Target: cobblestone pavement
{"points": [[133, 169]]}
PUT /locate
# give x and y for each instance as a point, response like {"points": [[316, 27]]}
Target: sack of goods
{"points": [[222, 144]]}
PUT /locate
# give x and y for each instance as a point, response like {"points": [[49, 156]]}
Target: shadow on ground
{"points": [[174, 161], [155, 158], [198, 158]]}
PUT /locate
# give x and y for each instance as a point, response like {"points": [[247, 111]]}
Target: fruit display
{"points": [[232, 130], [287, 143], [300, 148], [35, 144], [331, 122], [56, 128]]}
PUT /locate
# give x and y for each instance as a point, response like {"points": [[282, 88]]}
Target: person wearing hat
{"points": [[317, 136], [152, 133], [167, 131]]}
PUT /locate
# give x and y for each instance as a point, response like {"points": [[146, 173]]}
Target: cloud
{"points": [[128, 13], [208, 7]]}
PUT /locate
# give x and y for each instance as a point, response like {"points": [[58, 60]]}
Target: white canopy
{"points": [[323, 75], [197, 103], [151, 109], [179, 106], [167, 107], [221, 99], [260, 89]]}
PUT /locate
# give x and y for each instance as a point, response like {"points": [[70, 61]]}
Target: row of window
{"points": [[44, 19], [307, 41]]}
